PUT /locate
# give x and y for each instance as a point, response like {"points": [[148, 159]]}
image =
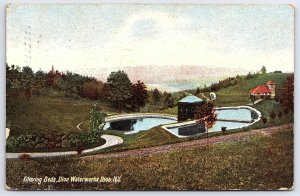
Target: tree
{"points": [[119, 88], [39, 81], [97, 117], [139, 95], [205, 115], [92, 90], [169, 100], [27, 81], [13, 79], [252, 98], [263, 70], [156, 96], [74, 81], [197, 91], [287, 94]]}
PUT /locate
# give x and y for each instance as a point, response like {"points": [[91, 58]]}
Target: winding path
{"points": [[111, 140], [201, 142]]}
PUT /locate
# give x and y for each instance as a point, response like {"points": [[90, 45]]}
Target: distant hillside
{"points": [[239, 93], [173, 78]]}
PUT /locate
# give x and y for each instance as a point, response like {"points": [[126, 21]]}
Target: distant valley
{"points": [[174, 78]]}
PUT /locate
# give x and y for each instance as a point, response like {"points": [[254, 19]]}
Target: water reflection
{"points": [[191, 130], [137, 124], [122, 125]]}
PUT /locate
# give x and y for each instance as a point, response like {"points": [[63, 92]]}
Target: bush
{"points": [[22, 142], [79, 149], [268, 97], [286, 110], [272, 115], [24, 157], [264, 120], [52, 141], [85, 138], [223, 129], [92, 90]]}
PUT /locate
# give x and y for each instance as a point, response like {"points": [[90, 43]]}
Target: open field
{"points": [[260, 162]]}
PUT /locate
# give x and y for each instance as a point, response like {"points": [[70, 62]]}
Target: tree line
{"points": [[24, 81], [118, 90]]}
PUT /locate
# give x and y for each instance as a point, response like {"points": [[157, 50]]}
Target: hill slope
{"points": [[239, 93], [47, 113]]}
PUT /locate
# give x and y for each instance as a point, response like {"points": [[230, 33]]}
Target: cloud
{"points": [[161, 37]]}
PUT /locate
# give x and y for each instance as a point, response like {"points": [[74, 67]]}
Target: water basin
{"points": [[137, 124]]}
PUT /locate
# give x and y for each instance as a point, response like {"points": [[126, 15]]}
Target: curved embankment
{"points": [[267, 132], [111, 140], [139, 115], [192, 122]]}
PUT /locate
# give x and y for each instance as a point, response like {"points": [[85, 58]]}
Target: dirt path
{"points": [[201, 142]]}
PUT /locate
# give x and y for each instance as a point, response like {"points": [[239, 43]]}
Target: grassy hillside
{"points": [[47, 113], [239, 93], [260, 163], [54, 112]]}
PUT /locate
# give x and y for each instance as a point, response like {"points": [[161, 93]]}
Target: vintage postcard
{"points": [[149, 97]]}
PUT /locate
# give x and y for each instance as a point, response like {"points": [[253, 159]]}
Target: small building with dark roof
{"points": [[187, 107]]}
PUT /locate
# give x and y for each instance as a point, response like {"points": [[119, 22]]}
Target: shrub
{"points": [[97, 117], [22, 142], [223, 129], [286, 110], [79, 149], [24, 157], [279, 114], [92, 90], [85, 138], [272, 115], [264, 120], [52, 140]]}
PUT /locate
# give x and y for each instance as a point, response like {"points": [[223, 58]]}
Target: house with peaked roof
{"points": [[266, 91], [187, 107]]}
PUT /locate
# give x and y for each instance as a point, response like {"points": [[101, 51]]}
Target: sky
{"points": [[89, 38]]}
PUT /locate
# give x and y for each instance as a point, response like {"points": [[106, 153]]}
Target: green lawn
{"points": [[47, 114], [239, 94], [261, 163]]}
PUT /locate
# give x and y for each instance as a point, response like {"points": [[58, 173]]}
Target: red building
{"points": [[263, 91]]}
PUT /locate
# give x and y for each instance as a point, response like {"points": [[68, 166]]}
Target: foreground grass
{"points": [[260, 162]]}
